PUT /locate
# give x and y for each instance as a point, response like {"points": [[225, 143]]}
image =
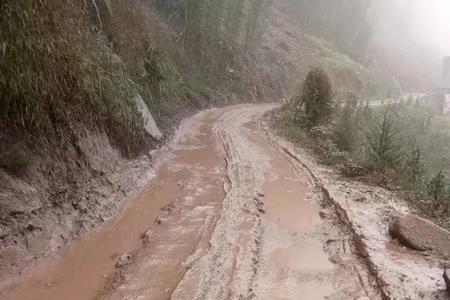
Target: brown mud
{"points": [[366, 212], [230, 214]]}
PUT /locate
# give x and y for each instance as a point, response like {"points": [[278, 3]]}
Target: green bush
{"points": [[436, 188], [316, 97], [351, 169], [413, 170], [345, 134]]}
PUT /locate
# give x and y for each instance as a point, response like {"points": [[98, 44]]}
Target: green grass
{"points": [[54, 74], [89, 67]]}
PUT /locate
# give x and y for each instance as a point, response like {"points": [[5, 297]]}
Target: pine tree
{"points": [[384, 146]]}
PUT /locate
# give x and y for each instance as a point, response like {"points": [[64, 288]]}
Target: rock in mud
{"points": [[421, 235], [149, 122], [447, 278], [123, 260]]}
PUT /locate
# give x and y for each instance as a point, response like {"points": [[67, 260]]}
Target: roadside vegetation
{"points": [[401, 145], [70, 63]]}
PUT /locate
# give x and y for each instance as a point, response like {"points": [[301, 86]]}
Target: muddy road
{"points": [[227, 216]]}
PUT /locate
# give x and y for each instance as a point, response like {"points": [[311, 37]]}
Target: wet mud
{"points": [[229, 215]]}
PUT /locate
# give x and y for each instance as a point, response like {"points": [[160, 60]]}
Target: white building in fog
{"points": [[445, 85]]}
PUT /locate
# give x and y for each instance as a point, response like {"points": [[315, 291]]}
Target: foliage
{"points": [[218, 21], [414, 169], [436, 187], [56, 71], [352, 169], [316, 97], [345, 134], [384, 146], [405, 147]]}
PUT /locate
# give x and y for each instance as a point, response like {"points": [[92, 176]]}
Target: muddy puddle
{"points": [[84, 268], [186, 227], [294, 263]]}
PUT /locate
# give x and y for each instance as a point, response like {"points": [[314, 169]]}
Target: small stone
{"points": [[446, 276], [31, 227], [147, 234], [360, 199], [124, 259]]}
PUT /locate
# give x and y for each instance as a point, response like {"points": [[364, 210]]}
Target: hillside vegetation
{"points": [[400, 145], [85, 61]]}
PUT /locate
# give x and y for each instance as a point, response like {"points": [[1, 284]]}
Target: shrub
{"points": [[352, 169], [316, 97], [345, 134], [436, 188], [324, 146], [414, 169]]}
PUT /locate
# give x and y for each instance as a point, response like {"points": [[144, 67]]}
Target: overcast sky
{"points": [[408, 22], [431, 23]]}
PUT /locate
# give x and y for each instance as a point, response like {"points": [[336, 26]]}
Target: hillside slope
{"points": [[290, 53]]}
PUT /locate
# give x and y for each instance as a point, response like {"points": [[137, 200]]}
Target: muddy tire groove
{"points": [[359, 245]]}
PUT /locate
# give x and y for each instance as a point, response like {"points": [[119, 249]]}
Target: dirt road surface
{"points": [[226, 216]]}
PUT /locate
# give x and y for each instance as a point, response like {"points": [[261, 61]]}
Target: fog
{"points": [[411, 37]]}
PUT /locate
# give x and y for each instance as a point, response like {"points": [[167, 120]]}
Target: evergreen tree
{"points": [[316, 97], [383, 140]]}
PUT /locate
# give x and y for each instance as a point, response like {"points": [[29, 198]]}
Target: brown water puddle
{"points": [[185, 231], [298, 267], [84, 267]]}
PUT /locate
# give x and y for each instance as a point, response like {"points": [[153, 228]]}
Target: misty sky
{"points": [[431, 23], [413, 37], [425, 22]]}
